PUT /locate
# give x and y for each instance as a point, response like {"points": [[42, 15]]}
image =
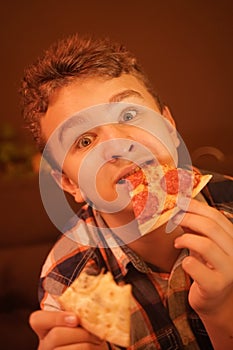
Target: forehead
{"points": [[84, 93]]}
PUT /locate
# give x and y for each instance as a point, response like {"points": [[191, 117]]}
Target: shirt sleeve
{"points": [[64, 263]]}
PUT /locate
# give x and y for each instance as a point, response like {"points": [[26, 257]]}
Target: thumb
{"points": [[42, 321]]}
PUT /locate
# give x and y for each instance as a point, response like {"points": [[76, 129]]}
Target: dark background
{"points": [[185, 46]]}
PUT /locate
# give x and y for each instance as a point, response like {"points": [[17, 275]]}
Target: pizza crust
{"points": [[102, 306]]}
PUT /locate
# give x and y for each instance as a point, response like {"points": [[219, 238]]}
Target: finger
{"points": [[102, 346], [63, 336], [203, 209], [207, 227], [207, 252], [199, 272], [43, 321], [209, 281]]}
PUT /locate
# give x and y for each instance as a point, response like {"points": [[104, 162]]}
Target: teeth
{"points": [[123, 179], [132, 172]]}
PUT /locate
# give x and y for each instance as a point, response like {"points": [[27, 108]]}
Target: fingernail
{"points": [[71, 320], [176, 243], [178, 217], [183, 202]]}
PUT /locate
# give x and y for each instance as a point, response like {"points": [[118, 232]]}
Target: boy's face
{"points": [[118, 143]]}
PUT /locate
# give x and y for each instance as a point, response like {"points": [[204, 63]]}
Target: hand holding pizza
{"points": [[102, 306], [61, 330], [208, 235]]}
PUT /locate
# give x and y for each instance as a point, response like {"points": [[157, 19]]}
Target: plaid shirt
{"points": [[160, 315]]}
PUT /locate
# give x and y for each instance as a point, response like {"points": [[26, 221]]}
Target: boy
{"points": [[180, 300]]}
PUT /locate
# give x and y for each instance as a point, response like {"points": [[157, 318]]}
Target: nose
{"points": [[111, 131], [116, 143]]}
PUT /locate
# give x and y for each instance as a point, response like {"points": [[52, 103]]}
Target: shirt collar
{"points": [[123, 254]]}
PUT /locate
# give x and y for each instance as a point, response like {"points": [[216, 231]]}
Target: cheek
{"points": [[105, 184], [71, 168], [160, 151]]}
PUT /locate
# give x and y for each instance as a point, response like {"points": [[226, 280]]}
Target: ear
{"points": [[67, 185], [167, 114], [171, 125]]}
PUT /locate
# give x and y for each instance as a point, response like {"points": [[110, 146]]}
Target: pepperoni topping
{"points": [[136, 179], [146, 204], [177, 180]]}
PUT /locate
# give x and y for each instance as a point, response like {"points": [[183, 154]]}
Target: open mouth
{"points": [[137, 168]]}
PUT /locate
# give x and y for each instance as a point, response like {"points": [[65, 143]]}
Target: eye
{"points": [[128, 115], [84, 141]]}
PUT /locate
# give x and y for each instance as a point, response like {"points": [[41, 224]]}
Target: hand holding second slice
{"points": [[102, 306]]}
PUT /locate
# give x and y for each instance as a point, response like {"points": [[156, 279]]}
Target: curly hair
{"points": [[66, 60]]}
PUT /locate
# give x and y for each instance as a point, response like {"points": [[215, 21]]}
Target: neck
{"points": [[157, 248]]}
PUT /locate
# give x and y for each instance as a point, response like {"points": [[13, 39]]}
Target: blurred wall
{"points": [[185, 46]]}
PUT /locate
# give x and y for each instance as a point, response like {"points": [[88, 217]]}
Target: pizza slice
{"points": [[102, 306], [155, 191]]}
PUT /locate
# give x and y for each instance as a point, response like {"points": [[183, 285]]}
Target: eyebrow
{"points": [[118, 97], [124, 94], [68, 124]]}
